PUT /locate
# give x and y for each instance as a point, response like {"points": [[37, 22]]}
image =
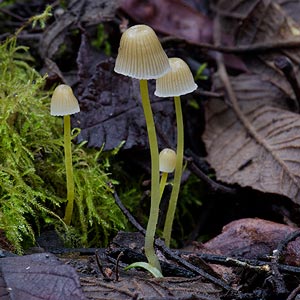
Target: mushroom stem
{"points": [[69, 169], [178, 173], [155, 198], [163, 181]]}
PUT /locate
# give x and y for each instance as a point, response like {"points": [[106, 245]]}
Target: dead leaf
{"points": [[164, 17], [87, 12], [292, 8], [259, 147], [257, 143], [249, 238], [38, 276], [258, 22]]}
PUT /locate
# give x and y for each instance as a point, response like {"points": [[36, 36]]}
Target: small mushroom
{"points": [[167, 162], [64, 103], [141, 56], [179, 81]]}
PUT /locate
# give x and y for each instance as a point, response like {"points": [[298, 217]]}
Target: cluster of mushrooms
{"points": [[142, 57]]}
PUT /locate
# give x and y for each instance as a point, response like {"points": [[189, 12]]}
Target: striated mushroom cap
{"points": [[141, 55], [63, 101], [167, 160], [179, 81]]}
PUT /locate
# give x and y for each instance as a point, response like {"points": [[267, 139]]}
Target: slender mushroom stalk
{"points": [[178, 82], [64, 103], [141, 56], [167, 162]]}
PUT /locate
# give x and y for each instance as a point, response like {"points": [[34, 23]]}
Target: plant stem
{"points": [[155, 199], [163, 181], [177, 175], [69, 169]]}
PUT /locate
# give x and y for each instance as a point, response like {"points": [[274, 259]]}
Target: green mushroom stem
{"points": [[142, 57], [177, 174], [69, 169], [155, 194]]}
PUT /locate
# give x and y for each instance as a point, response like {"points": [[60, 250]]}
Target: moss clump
{"points": [[23, 119], [32, 174]]}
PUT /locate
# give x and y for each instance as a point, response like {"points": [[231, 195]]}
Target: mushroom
{"points": [[64, 103], [141, 56], [167, 162], [179, 81]]}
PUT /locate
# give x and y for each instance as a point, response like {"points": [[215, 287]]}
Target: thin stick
{"points": [[257, 47]]}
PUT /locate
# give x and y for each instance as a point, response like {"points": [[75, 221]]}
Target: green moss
{"points": [[32, 172], [101, 40], [23, 116]]}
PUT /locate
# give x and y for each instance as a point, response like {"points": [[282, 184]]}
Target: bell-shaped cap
{"points": [[141, 55], [63, 101], [167, 160], [179, 81]]}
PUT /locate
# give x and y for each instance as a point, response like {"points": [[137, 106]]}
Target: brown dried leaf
{"points": [[258, 22], [172, 17], [258, 147], [38, 276], [249, 238]]}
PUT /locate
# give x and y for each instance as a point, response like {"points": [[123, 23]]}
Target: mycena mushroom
{"points": [[64, 103], [167, 163], [179, 81], [141, 56]]}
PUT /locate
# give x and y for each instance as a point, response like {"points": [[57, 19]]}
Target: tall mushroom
{"points": [[141, 56], [179, 81], [64, 103]]}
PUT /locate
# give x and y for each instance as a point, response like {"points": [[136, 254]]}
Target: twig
{"points": [[169, 253], [258, 47], [100, 266], [128, 215], [294, 293], [117, 265], [214, 186], [277, 253]]}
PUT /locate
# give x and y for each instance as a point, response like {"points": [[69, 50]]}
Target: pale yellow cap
{"points": [[167, 160], [179, 81], [141, 55], [63, 101]]}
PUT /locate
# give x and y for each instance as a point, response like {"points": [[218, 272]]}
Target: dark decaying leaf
{"points": [[254, 239], [256, 143], [258, 22], [162, 15], [111, 112], [87, 12], [292, 8], [190, 25], [38, 276], [259, 148]]}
